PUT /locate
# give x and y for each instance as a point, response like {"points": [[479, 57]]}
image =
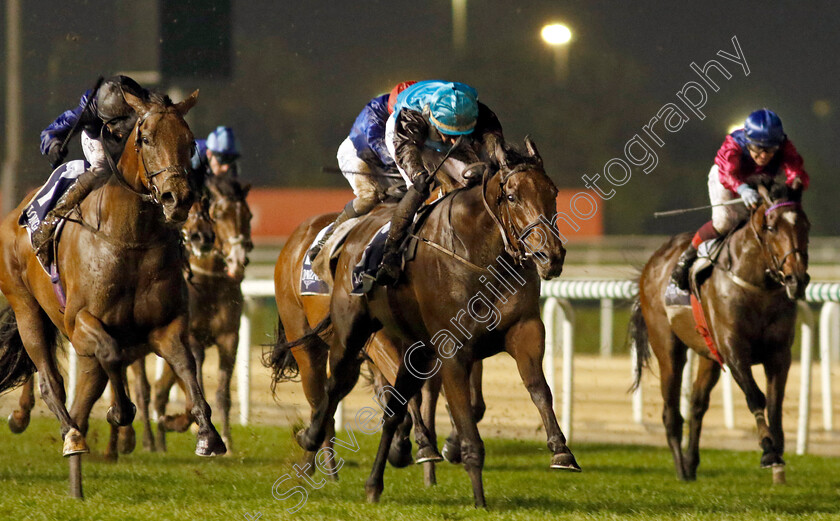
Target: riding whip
{"points": [[335, 170], [687, 210]]}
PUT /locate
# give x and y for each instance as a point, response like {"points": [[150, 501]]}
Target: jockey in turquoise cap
{"points": [[432, 119]]}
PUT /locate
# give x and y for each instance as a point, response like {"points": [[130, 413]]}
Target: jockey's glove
{"points": [[56, 154], [749, 195], [421, 182]]}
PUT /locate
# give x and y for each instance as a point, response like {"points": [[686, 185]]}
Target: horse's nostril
{"points": [[168, 199], [195, 237], [247, 261]]}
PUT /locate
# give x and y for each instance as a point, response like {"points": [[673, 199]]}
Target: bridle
{"points": [[154, 196], [776, 265], [516, 248]]}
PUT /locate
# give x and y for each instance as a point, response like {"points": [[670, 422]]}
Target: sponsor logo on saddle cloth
{"points": [[310, 282], [45, 200]]}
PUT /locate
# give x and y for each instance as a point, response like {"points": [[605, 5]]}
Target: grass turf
{"points": [[618, 482]]}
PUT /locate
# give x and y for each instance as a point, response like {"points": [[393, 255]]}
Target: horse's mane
{"points": [[514, 157], [159, 98]]}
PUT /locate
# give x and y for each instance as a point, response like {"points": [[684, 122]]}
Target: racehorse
{"points": [[120, 264], [217, 260], [296, 313], [506, 222], [750, 301]]}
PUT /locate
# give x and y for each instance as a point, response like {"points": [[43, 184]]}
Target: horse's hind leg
{"points": [[708, 373], [19, 419], [399, 453], [452, 447], [90, 336], [162, 387], [426, 447], [431, 395], [671, 353], [143, 392]]}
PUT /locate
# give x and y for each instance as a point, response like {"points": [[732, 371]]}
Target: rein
{"points": [[776, 270]]}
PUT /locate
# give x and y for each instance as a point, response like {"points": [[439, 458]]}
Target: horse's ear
{"points": [[185, 106], [500, 154], [532, 149], [246, 189], [139, 106], [765, 194]]}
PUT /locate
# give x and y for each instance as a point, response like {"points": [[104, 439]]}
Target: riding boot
{"points": [[42, 237], [346, 214], [679, 277], [390, 269]]}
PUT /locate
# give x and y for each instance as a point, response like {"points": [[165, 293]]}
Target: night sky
{"points": [[301, 71]]}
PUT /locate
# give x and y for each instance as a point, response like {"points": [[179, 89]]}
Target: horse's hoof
{"points": [[770, 460], [228, 445], [565, 461], [373, 492], [210, 445], [127, 440], [400, 456], [305, 441], [451, 453], [124, 419], [428, 453], [74, 443], [17, 425], [110, 457]]}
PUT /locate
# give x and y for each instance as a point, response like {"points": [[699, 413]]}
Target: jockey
{"points": [[106, 107], [217, 154], [433, 117], [760, 148], [365, 161]]}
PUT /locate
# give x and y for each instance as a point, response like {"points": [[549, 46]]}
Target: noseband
{"points": [[516, 248], [776, 271]]}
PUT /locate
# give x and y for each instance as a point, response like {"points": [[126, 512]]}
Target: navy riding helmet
{"points": [[764, 128]]}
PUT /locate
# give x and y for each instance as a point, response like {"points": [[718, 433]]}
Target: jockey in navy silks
{"points": [[217, 154], [433, 118], [105, 121], [365, 161], [760, 148]]}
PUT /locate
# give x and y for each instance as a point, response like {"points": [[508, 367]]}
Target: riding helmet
{"points": [[222, 142], [453, 109], [764, 128]]}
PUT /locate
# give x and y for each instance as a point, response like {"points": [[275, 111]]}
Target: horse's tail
{"points": [[637, 333], [280, 358], [15, 365]]}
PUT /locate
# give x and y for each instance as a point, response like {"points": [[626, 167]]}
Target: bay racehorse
{"points": [[750, 304], [451, 309], [218, 241], [120, 262], [297, 353]]}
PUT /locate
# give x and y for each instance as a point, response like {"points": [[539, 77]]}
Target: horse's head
{"points": [[232, 217], [162, 144], [527, 208], [198, 229], [781, 227]]}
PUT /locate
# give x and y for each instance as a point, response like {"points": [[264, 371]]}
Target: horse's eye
{"points": [[145, 140], [771, 229], [511, 198]]}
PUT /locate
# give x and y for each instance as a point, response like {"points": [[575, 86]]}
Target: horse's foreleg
{"points": [[431, 394], [776, 371], [227, 357], [426, 448], [168, 342], [19, 419], [399, 453], [456, 386], [756, 401], [91, 336], [708, 373], [525, 342]]}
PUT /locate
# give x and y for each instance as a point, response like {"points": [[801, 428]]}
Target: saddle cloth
{"points": [[48, 195]]}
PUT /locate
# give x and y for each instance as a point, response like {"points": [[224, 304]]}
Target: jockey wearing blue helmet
{"points": [[431, 119], [217, 154]]}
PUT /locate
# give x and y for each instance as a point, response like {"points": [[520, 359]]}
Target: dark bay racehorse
{"points": [[214, 279], [120, 263], [503, 221], [750, 304]]}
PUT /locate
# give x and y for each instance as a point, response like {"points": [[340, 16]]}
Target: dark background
{"points": [[290, 77]]}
